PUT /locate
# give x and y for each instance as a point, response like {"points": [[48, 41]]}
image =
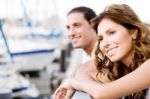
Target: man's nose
{"points": [[71, 33]]}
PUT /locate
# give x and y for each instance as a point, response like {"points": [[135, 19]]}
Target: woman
{"points": [[123, 47]]}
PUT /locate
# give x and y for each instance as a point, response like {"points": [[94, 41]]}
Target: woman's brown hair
{"points": [[122, 14]]}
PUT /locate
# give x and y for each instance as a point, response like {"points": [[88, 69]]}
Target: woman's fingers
{"points": [[69, 93], [60, 93]]}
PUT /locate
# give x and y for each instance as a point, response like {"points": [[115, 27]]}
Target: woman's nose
{"points": [[105, 43]]}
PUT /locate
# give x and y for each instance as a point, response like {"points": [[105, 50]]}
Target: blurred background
{"points": [[35, 51]]}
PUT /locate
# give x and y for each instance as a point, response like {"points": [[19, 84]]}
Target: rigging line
{"points": [[6, 42]]}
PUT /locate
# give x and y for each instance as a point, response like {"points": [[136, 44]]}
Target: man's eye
{"points": [[77, 25]]}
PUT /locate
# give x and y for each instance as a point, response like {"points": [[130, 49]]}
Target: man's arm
{"points": [[86, 71], [83, 72]]}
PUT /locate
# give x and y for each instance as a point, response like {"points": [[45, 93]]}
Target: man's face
{"points": [[80, 31]]}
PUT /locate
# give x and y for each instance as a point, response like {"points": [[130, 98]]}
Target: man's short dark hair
{"points": [[87, 12]]}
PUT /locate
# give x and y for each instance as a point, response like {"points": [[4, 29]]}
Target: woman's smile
{"points": [[111, 51]]}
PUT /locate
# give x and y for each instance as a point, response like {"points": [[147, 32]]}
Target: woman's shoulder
{"points": [[146, 64], [147, 61], [143, 69]]}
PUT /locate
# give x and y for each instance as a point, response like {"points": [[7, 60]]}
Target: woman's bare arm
{"points": [[132, 82]]}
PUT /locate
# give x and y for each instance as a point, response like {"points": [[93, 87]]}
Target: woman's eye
{"points": [[111, 33]]}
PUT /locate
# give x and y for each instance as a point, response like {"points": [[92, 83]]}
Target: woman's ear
{"points": [[134, 33]]}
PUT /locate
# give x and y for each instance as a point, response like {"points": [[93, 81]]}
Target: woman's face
{"points": [[116, 41]]}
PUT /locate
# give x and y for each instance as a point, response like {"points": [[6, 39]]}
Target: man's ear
{"points": [[94, 30]]}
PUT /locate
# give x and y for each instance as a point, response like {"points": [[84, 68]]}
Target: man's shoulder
{"points": [[87, 66], [89, 63]]}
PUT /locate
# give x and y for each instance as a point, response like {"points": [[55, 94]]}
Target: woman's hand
{"points": [[64, 91]]}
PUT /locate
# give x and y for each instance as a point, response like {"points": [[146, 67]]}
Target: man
{"points": [[82, 36], [80, 31]]}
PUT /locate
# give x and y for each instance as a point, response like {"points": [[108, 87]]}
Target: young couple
{"points": [[121, 65]]}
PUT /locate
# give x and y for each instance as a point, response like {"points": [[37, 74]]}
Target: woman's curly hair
{"points": [[122, 14]]}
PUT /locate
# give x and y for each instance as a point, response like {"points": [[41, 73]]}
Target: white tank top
{"points": [[148, 94], [147, 97]]}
